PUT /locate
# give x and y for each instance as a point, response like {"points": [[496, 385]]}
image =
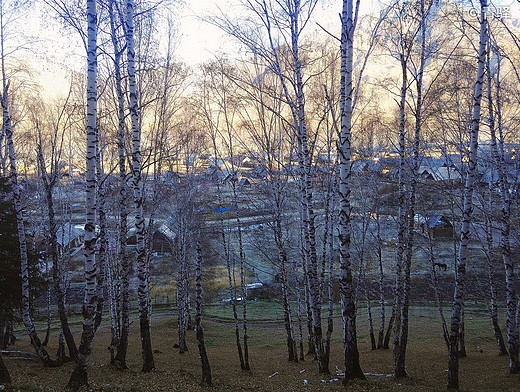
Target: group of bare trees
{"points": [[301, 114]]}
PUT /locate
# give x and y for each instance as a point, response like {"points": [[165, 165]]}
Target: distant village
{"points": [[249, 172]]}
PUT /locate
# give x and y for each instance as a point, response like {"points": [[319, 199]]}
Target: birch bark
{"points": [[505, 219], [143, 285], [400, 361], [348, 306], [78, 377], [400, 292], [242, 276], [24, 264], [380, 338], [458, 296], [493, 305], [101, 259], [56, 261], [206, 369], [122, 343]]}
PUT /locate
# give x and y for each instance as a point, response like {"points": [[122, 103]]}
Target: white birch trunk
{"points": [[78, 377], [399, 365], [242, 277], [143, 285], [101, 259], [24, 262], [505, 223], [297, 107], [181, 292], [206, 370], [300, 317], [4, 143], [400, 368], [113, 308], [57, 275], [435, 286], [458, 296], [122, 343], [380, 338], [348, 306], [493, 306]]}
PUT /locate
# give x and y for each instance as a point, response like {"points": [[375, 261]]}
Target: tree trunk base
{"points": [[5, 377], [351, 377], [119, 364], [400, 375], [514, 370], [147, 367], [78, 379], [353, 374]]}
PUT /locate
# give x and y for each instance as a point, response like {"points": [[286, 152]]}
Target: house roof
{"points": [[243, 182], [446, 173], [228, 175], [166, 229], [68, 234], [432, 163], [260, 171], [435, 220]]}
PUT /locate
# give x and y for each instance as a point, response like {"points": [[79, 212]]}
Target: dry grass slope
{"points": [[427, 361]]}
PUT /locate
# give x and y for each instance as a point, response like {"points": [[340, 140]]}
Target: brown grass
{"points": [[426, 359]]}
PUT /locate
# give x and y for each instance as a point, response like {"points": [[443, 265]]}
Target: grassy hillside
{"points": [[482, 370]]}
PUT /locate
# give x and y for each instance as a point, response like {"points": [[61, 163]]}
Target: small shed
{"points": [[446, 173], [244, 182], [255, 290], [69, 237], [260, 172], [437, 225], [164, 237]]}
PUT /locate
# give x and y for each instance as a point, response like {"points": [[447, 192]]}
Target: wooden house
{"points": [[437, 226]]}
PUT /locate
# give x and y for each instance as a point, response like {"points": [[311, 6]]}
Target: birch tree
{"points": [[493, 67], [409, 37], [348, 306], [488, 250], [259, 107], [78, 377], [406, 223], [50, 179], [8, 13], [219, 109], [458, 296], [206, 369], [227, 133], [26, 314], [123, 331], [286, 20], [143, 287]]}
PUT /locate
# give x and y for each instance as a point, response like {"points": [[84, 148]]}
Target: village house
{"points": [[436, 226]]}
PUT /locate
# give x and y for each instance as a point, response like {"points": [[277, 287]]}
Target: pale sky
{"points": [[197, 41], [201, 41]]}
